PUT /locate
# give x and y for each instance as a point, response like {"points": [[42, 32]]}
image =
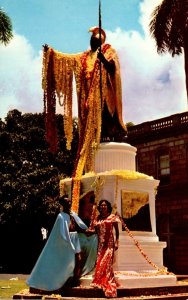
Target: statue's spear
{"points": [[100, 22], [100, 66]]}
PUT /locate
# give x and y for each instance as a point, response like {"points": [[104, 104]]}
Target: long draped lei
{"points": [[104, 275], [57, 81]]}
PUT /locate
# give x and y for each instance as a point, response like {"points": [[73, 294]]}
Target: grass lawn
{"points": [[10, 287]]}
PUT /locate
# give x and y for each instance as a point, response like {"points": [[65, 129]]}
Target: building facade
{"points": [[162, 152]]}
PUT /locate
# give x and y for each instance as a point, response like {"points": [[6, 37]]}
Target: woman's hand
{"points": [[88, 232]]}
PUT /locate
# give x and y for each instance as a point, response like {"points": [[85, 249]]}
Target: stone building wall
{"points": [[167, 137]]}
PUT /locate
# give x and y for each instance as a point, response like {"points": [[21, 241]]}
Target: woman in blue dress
{"points": [[68, 253]]}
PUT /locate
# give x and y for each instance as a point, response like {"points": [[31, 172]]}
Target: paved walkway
{"points": [[10, 276]]}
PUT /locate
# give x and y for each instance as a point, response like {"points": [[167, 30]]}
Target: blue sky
{"points": [[153, 86], [65, 23]]}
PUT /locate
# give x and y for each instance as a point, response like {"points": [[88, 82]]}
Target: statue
{"points": [[99, 96], [98, 84]]}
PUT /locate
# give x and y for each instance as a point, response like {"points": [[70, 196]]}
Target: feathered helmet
{"points": [[95, 32]]}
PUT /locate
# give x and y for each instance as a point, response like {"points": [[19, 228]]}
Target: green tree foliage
{"points": [[29, 179], [5, 28], [129, 124], [169, 28]]}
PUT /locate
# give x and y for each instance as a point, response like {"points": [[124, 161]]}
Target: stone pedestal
{"points": [[115, 156]]}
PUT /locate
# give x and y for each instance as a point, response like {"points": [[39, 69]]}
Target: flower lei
{"points": [[87, 145], [162, 270], [91, 130], [48, 84], [57, 80]]}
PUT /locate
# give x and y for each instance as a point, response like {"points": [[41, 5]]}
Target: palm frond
{"points": [[167, 25], [5, 28]]}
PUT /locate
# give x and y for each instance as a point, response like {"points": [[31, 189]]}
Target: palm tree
{"points": [[169, 28], [5, 28]]}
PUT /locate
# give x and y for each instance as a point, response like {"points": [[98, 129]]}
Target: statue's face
{"points": [[94, 43]]}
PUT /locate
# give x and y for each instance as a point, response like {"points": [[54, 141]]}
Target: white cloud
{"points": [[20, 77], [146, 9]]}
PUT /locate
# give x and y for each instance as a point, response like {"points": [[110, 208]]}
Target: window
{"points": [[164, 168]]}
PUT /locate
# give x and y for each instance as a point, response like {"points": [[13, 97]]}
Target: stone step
{"points": [[178, 291], [53, 297], [136, 280]]}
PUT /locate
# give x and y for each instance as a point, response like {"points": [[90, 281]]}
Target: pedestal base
{"points": [[129, 257], [137, 280], [134, 270]]}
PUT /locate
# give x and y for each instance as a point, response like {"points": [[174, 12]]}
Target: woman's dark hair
{"points": [[63, 199], [109, 206], [92, 199]]}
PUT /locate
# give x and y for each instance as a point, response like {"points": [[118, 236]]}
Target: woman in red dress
{"points": [[105, 226]]}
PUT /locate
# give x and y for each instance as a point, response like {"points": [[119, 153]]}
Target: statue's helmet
{"points": [[96, 33]]}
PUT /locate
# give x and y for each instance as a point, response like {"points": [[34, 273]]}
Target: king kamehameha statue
{"points": [[98, 86], [99, 95]]}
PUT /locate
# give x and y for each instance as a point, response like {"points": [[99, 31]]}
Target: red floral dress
{"points": [[104, 275]]}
